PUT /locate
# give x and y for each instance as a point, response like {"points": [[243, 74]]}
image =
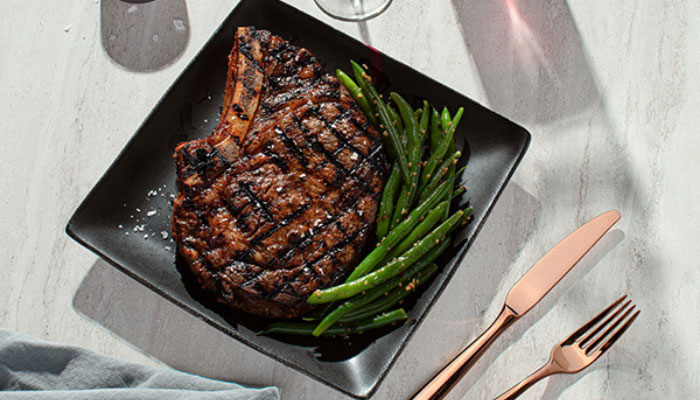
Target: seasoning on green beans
{"points": [[357, 302], [414, 148], [428, 223], [436, 158], [398, 281], [391, 269], [451, 127], [392, 298], [442, 172], [396, 234], [356, 93]]}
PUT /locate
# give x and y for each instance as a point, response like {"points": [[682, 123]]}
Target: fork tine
{"points": [[594, 333], [597, 353], [609, 326], [582, 330], [613, 329]]}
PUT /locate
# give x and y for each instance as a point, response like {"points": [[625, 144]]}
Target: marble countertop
{"points": [[605, 88]]}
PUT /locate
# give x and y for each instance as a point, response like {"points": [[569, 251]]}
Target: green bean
{"points": [[391, 269], [420, 266], [356, 93], [451, 129], [398, 149], [357, 302], [307, 328], [441, 172], [386, 302], [468, 212], [444, 118], [412, 128], [435, 132], [417, 114], [423, 124], [386, 206], [414, 147], [435, 159], [384, 289], [390, 131], [452, 124], [433, 218], [396, 234], [401, 206], [360, 300], [396, 118], [458, 192], [450, 174]]}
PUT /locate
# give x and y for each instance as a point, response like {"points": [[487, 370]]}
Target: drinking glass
{"points": [[353, 10]]}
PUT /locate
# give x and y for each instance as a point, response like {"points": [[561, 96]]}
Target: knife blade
{"points": [[527, 292], [554, 265]]}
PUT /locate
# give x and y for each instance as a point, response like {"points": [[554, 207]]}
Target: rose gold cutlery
{"points": [[529, 290], [583, 347]]}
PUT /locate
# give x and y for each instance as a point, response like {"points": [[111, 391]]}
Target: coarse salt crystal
{"points": [[164, 234], [151, 213]]}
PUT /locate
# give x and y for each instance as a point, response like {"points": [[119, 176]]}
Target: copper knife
{"points": [[529, 290]]}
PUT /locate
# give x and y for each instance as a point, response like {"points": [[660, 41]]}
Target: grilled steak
{"points": [[279, 200]]}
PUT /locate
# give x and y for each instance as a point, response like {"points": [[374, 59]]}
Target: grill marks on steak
{"points": [[279, 199]]}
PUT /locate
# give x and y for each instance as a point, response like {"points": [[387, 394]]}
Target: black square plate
{"points": [[126, 216]]}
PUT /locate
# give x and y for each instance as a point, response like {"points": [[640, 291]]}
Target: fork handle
{"points": [[525, 384], [440, 384]]}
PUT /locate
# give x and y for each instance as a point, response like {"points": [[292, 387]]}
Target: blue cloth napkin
{"points": [[34, 369]]}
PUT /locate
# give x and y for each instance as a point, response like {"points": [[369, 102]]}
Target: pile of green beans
{"points": [[415, 218]]}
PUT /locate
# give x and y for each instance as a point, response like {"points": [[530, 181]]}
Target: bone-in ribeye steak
{"points": [[279, 200]]}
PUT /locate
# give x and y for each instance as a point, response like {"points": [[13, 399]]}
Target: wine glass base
{"points": [[353, 10]]}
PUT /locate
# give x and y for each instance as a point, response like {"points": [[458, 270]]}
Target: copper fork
{"points": [[583, 347]]}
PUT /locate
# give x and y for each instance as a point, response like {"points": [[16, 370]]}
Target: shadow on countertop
{"points": [[144, 35], [529, 56]]}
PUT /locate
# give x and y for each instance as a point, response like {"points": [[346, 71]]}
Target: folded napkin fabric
{"points": [[34, 369]]}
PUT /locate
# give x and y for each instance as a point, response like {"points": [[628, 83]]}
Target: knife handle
{"points": [[440, 384]]}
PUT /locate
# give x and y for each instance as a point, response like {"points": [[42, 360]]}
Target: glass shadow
{"points": [[529, 56], [144, 35]]}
